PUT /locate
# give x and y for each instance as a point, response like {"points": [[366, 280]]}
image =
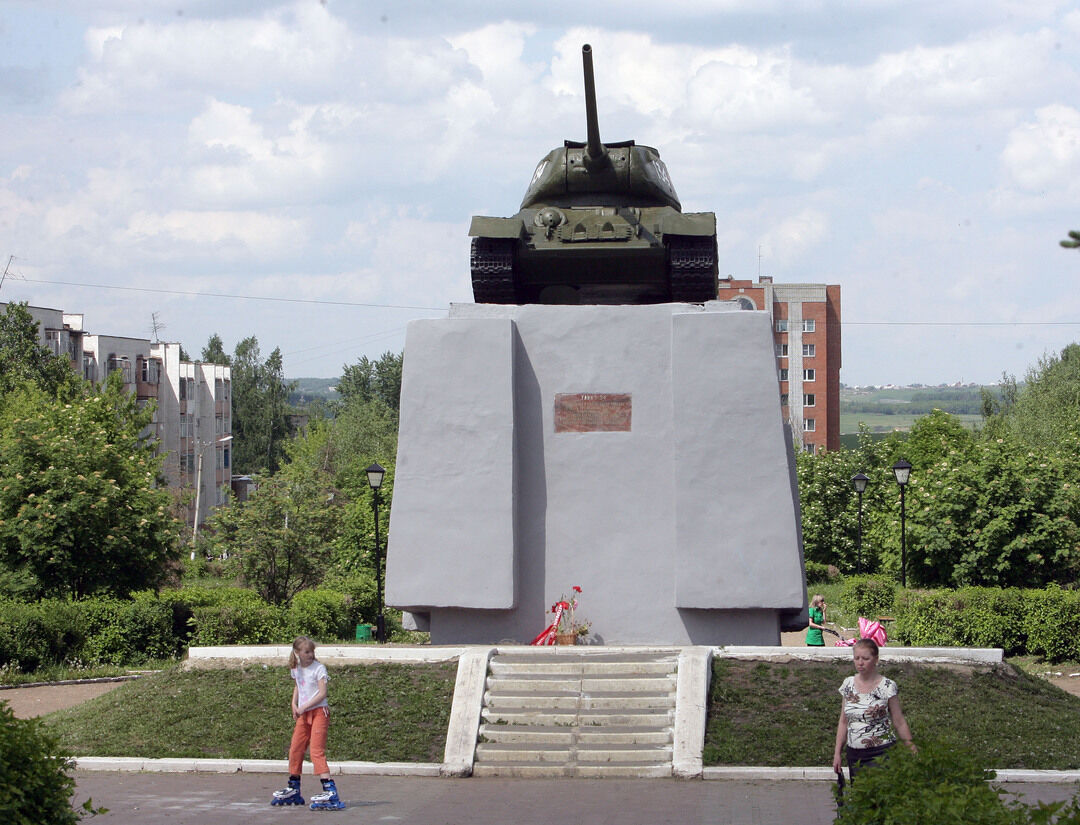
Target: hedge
{"points": [[149, 626], [1042, 623]]}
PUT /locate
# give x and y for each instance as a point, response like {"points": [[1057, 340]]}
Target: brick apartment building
{"points": [[193, 418], [806, 330]]}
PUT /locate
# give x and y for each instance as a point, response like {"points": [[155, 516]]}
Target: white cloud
{"points": [[1043, 156], [228, 233]]}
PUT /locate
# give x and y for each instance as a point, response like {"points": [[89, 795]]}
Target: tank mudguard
{"points": [[689, 223], [485, 227]]}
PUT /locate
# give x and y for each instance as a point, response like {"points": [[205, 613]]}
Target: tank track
{"points": [[492, 263], [692, 264]]}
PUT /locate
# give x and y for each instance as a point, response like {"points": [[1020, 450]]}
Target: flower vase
{"points": [[566, 638]]}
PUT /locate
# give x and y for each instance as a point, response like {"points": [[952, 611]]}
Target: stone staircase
{"points": [[565, 711]]}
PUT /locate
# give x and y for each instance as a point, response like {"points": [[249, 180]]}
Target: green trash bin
{"points": [[363, 632]]}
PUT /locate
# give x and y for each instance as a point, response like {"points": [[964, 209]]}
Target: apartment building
{"points": [[806, 332], [192, 421], [195, 428]]}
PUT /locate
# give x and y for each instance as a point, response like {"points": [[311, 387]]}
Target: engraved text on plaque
{"points": [[592, 412]]}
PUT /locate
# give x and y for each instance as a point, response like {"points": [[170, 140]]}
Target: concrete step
{"points": [[605, 700], [565, 735], [566, 712], [603, 754], [561, 735], [545, 683], [598, 719], [580, 667], [533, 770]]}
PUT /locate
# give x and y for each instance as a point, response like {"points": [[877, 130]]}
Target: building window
{"points": [[809, 375], [783, 374], [149, 370], [808, 400], [119, 364], [781, 324], [781, 351], [783, 399], [809, 448], [809, 425], [225, 457], [808, 325], [187, 463], [809, 350]]}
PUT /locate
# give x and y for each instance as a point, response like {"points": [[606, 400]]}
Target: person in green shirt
{"points": [[817, 621]]}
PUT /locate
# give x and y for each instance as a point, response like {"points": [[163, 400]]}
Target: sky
{"points": [[305, 172]]}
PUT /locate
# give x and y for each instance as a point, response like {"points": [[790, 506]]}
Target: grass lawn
{"points": [[785, 714], [378, 712]]}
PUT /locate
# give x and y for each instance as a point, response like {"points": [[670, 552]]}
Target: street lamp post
{"points": [[375, 475], [902, 470], [202, 445], [858, 481]]}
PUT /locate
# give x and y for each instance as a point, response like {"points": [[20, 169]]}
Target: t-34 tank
{"points": [[600, 224]]}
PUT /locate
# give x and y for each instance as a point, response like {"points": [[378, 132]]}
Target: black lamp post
{"points": [[375, 475], [902, 470], [858, 481]]}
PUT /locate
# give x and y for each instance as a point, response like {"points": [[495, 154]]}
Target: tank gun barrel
{"points": [[595, 153]]}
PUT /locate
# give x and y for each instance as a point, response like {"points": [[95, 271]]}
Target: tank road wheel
{"points": [[692, 264], [492, 264]]}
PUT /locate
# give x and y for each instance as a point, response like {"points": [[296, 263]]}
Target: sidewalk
{"points": [[217, 799]]}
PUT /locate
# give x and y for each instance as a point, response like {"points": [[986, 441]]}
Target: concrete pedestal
{"points": [[635, 451]]}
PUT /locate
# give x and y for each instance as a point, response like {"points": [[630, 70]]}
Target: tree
{"points": [[1047, 408], [284, 534], [83, 506], [368, 380], [1073, 241], [260, 408], [23, 360], [214, 351]]}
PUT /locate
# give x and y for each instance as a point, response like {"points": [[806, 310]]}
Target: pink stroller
{"points": [[868, 629]]}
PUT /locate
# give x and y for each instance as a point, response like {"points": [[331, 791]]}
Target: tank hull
{"points": [[594, 255]]}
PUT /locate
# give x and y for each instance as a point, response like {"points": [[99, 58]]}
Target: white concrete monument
{"points": [[635, 451]]}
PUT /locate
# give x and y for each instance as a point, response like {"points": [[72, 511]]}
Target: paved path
{"points": [[215, 799]]}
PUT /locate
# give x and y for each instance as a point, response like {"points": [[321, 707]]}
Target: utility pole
{"points": [[6, 268]]}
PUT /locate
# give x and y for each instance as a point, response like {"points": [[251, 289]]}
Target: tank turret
{"points": [[600, 223]]}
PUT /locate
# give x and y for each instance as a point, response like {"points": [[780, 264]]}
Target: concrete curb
{"points": [[460, 752], [816, 773], [691, 707], [740, 774], [136, 764]]}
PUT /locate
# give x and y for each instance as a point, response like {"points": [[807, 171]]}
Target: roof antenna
{"points": [[156, 326], [6, 268]]}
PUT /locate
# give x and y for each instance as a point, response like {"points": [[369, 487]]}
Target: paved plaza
{"points": [[234, 799]]}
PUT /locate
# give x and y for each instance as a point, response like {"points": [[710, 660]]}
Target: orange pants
{"points": [[310, 730]]}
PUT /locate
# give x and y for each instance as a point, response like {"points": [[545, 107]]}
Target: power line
{"points": [[278, 299], [230, 295], [960, 323]]}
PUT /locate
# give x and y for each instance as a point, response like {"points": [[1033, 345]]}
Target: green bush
{"points": [[127, 631], [320, 614], [992, 617], [35, 786], [869, 596], [1052, 623], [818, 572], [361, 600], [944, 785], [927, 618], [237, 624], [40, 633]]}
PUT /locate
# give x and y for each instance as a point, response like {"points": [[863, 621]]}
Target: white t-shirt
{"points": [[868, 721], [307, 682]]}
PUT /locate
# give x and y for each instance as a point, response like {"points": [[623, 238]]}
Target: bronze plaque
{"points": [[592, 412]]}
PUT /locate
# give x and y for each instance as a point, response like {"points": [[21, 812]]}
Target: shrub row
{"points": [[158, 626], [1042, 623]]}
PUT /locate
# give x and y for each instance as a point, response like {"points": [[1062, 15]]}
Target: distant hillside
{"points": [[310, 389]]}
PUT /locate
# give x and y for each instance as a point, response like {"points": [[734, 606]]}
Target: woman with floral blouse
{"points": [[869, 711]]}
